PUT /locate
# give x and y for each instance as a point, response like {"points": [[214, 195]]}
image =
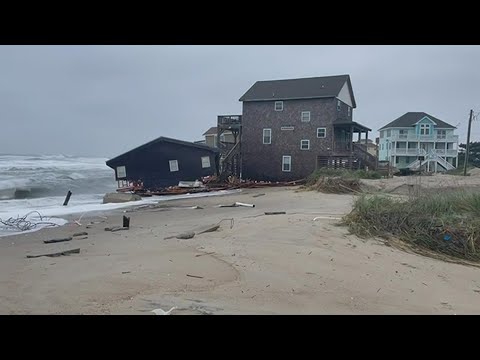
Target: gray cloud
{"points": [[104, 100]]}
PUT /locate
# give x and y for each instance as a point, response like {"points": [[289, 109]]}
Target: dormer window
{"points": [[278, 105], [424, 129]]}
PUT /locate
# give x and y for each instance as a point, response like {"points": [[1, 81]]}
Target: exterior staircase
{"points": [[430, 156]]}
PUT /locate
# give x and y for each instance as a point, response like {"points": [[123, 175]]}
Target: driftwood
{"points": [[80, 234], [210, 229], [258, 195], [126, 222], [116, 228], [195, 276], [67, 198], [61, 253], [209, 253], [57, 240], [275, 213]]}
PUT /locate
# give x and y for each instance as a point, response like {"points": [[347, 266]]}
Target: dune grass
{"points": [[448, 223]]}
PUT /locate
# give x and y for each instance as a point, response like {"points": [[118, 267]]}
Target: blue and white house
{"points": [[419, 141]]}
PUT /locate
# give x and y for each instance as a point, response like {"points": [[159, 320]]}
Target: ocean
{"points": [[31, 184]]}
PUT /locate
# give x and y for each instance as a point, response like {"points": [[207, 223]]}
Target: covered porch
{"points": [[345, 133]]}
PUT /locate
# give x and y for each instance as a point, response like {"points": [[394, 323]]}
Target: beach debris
{"points": [[57, 240], [23, 224], [236, 204], [83, 233], [258, 195], [182, 236], [61, 253], [211, 228], [126, 272], [116, 228], [126, 222], [209, 253], [275, 212], [67, 198], [195, 276], [163, 312]]}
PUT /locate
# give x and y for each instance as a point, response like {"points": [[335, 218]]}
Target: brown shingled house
{"points": [[292, 127]]}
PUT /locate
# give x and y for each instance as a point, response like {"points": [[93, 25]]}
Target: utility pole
{"points": [[467, 150]]}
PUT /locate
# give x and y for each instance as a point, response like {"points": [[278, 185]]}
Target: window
{"points": [[305, 116], [349, 110], [267, 136], [278, 105], [321, 132], [305, 144], [389, 133], [424, 129], [382, 134], [173, 165], [205, 162], [382, 146], [397, 159], [287, 128], [121, 172], [402, 134], [339, 105], [441, 134], [286, 163]]}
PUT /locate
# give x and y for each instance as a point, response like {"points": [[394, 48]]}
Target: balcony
{"points": [[424, 138], [422, 152]]}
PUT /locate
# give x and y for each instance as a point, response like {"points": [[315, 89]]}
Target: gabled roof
{"points": [[305, 88], [211, 131], [159, 140], [411, 118]]}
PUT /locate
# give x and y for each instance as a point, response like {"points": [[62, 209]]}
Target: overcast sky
{"points": [[105, 100]]}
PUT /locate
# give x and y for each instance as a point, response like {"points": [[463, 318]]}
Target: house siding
{"points": [[151, 164], [264, 162]]}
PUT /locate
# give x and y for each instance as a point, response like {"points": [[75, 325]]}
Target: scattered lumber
{"points": [[61, 253], [275, 212], [57, 240]]}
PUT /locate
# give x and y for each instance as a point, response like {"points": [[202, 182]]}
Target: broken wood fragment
{"points": [[210, 229], [209, 253], [57, 240], [195, 276], [67, 198], [61, 253], [116, 228], [126, 222], [83, 233], [258, 195], [275, 212]]}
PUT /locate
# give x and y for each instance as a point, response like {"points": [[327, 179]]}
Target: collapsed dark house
{"points": [[164, 162]]}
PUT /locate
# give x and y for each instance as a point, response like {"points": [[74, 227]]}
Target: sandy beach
{"points": [[260, 264]]}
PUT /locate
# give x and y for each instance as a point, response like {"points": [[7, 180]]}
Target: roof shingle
{"points": [[411, 118], [305, 88]]}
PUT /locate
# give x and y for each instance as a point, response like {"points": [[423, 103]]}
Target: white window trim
{"points": [[305, 113], [121, 172], [301, 144], [205, 160], [275, 106], [324, 133], [170, 163], [425, 127], [263, 138], [289, 163]]}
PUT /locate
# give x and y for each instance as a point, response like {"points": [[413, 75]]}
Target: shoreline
{"points": [[300, 262]]}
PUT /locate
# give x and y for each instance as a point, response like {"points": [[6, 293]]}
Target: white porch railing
{"points": [[424, 138]]}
